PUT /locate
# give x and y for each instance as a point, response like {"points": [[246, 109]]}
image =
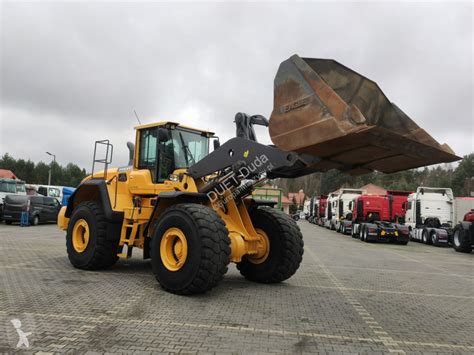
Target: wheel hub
{"points": [[173, 249], [80, 235], [263, 248]]}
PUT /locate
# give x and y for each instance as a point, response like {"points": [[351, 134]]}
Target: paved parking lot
{"points": [[348, 296]]}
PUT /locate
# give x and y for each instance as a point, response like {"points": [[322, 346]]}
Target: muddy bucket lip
{"points": [[318, 112]]}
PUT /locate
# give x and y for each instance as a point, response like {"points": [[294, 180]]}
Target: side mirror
{"points": [[216, 143]]}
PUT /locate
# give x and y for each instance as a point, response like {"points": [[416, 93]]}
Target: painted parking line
{"points": [[381, 334]]}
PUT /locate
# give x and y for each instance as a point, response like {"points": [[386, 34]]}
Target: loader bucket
{"points": [[325, 109]]}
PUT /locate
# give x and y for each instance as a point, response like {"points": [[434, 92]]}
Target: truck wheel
{"points": [[426, 237], [36, 220], [434, 238], [86, 239], [361, 232], [190, 249], [366, 235], [285, 244], [353, 235], [8, 222], [461, 241]]}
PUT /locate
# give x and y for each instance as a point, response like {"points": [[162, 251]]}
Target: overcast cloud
{"points": [[73, 73]]}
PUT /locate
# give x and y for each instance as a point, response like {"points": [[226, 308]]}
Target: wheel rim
{"points": [[173, 249], [457, 241], [80, 235], [263, 248]]}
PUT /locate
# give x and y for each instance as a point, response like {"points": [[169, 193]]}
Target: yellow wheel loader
{"points": [[191, 210]]}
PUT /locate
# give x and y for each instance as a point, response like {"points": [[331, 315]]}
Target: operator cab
{"points": [[166, 146]]}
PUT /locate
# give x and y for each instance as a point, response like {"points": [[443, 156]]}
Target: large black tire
{"points": [[286, 247], [425, 236], [353, 234], [361, 232], [208, 246], [100, 252], [35, 220], [8, 222], [461, 242]]}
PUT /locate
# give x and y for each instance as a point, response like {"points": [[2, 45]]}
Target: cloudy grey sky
{"points": [[72, 73]]}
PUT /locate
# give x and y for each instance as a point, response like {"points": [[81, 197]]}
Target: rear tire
{"points": [[425, 237], [207, 244], [362, 232], [286, 247], [353, 235], [36, 220], [366, 235], [461, 241], [99, 252], [8, 222]]}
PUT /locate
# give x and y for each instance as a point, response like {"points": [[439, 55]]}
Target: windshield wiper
{"points": [[187, 152]]}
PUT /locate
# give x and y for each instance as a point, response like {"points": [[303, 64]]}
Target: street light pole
{"points": [[51, 166]]}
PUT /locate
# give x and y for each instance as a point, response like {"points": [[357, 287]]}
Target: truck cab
{"points": [[429, 214], [343, 209], [330, 215]]}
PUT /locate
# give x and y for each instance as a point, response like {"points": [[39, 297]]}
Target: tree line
{"points": [[460, 179], [37, 173]]}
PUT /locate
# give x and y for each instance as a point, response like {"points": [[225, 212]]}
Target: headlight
{"points": [[382, 233]]}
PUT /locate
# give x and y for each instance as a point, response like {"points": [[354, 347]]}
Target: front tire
{"points": [[35, 220], [286, 248], [190, 249], [86, 240]]}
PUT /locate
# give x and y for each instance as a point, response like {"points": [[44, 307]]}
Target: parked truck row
{"points": [[429, 215]]}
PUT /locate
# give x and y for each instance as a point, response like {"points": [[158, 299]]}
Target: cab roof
{"points": [[175, 124]]}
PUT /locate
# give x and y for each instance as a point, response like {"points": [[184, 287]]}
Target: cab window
{"points": [[148, 150]]}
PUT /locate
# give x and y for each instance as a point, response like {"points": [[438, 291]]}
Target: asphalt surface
{"points": [[347, 297]]}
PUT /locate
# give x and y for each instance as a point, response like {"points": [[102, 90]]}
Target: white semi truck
{"points": [[432, 213], [329, 216], [343, 206]]}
